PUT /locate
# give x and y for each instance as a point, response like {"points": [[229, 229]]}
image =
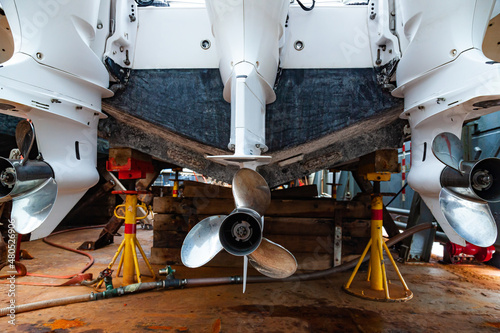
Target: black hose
{"points": [[307, 9], [142, 3], [399, 192], [178, 283]]}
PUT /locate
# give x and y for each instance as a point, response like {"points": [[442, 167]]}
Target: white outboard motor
{"points": [[249, 36], [445, 80], [53, 77]]}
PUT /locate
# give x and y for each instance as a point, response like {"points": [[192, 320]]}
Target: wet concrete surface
{"points": [[446, 299]]}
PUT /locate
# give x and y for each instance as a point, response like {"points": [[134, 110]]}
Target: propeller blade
{"points": [[250, 190], [245, 272], [202, 242], [447, 148], [273, 260], [25, 137], [30, 209], [470, 218]]}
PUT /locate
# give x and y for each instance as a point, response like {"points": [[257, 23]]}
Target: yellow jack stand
{"points": [[376, 287], [175, 190], [129, 259]]}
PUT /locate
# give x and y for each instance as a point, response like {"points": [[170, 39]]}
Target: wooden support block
{"points": [[297, 226], [300, 192], [199, 206], [356, 228], [167, 205], [171, 222], [384, 160], [207, 206], [313, 262], [165, 256], [122, 155], [168, 239], [161, 191], [318, 208], [353, 246], [202, 190], [310, 244], [356, 235], [170, 205]]}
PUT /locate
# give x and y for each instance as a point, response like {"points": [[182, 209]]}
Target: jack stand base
{"points": [[128, 247], [363, 289], [376, 286]]}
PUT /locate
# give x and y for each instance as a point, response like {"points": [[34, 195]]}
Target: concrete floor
{"points": [[446, 299]]}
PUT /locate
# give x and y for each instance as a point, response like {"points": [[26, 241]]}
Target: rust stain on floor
{"points": [[177, 315], [496, 325], [217, 326], [321, 318], [168, 328], [157, 327], [64, 324]]}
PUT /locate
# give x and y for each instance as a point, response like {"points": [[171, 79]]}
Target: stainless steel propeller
{"points": [[447, 148], [28, 183], [467, 187], [25, 138], [240, 233]]}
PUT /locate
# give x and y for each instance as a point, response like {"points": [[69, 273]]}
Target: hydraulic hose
{"points": [[137, 287], [200, 282], [44, 304], [22, 271]]}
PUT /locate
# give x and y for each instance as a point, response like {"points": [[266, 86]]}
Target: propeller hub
{"points": [[478, 180], [8, 177], [482, 180], [241, 232], [17, 179]]}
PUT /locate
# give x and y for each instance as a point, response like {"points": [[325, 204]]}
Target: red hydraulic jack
{"points": [[458, 254], [377, 287], [130, 165]]}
